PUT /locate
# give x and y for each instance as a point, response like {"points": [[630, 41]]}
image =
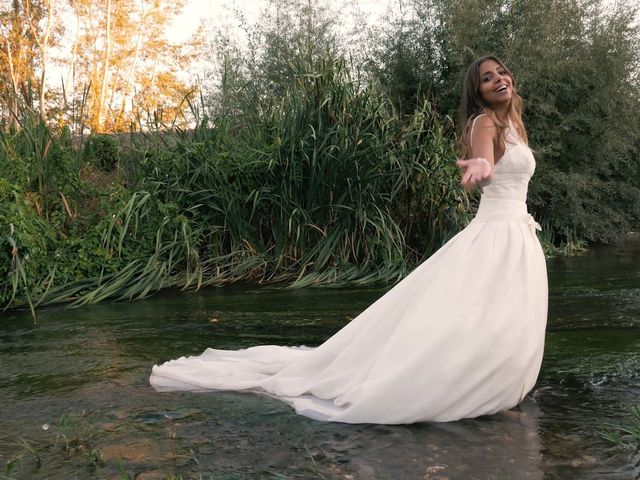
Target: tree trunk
{"points": [[98, 121], [44, 47], [13, 100]]}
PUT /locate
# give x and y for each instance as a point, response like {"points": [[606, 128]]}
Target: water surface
{"points": [[76, 401]]}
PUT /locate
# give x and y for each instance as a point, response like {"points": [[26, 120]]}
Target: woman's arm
{"points": [[479, 167]]}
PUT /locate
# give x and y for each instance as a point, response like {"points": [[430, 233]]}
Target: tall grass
{"points": [[38, 179], [328, 185]]}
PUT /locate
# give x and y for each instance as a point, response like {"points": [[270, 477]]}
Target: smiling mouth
{"points": [[501, 88]]}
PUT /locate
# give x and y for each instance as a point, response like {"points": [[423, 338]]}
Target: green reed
{"points": [[328, 185]]}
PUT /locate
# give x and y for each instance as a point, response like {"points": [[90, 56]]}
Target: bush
{"points": [[582, 125], [25, 242], [102, 150], [325, 180]]}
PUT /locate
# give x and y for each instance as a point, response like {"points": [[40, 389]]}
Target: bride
{"points": [[461, 336]]}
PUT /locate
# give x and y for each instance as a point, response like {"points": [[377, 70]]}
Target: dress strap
{"points": [[473, 124]]}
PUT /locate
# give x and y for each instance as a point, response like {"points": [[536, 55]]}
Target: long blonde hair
{"points": [[473, 105]]}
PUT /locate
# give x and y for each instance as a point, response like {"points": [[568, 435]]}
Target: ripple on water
{"points": [[84, 373]]}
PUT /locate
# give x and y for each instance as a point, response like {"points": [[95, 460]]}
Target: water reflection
{"points": [[84, 372], [504, 446]]}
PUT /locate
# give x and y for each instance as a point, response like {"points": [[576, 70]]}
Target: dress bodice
{"points": [[511, 174], [504, 197]]}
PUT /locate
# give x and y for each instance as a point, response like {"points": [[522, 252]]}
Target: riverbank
{"points": [[300, 193]]}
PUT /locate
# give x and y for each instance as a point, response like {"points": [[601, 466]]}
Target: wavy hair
{"points": [[473, 105]]}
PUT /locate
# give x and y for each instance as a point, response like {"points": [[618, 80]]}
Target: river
{"points": [[76, 404]]}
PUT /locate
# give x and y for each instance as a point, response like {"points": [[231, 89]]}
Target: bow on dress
{"points": [[533, 224]]}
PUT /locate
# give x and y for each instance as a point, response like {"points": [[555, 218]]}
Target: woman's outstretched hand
{"points": [[474, 171]]}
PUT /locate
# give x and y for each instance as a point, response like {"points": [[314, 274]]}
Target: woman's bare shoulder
{"points": [[482, 126], [484, 121]]}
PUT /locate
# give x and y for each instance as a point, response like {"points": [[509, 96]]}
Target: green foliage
{"points": [[628, 434], [41, 161], [576, 65], [50, 220], [242, 80], [305, 174], [38, 185], [328, 183], [101, 150], [581, 205], [317, 188], [24, 241]]}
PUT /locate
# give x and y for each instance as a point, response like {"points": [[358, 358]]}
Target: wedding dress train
{"points": [[461, 336]]}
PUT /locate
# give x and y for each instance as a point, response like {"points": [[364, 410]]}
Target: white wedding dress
{"points": [[461, 336]]}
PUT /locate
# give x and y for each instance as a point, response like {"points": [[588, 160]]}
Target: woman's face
{"points": [[496, 84]]}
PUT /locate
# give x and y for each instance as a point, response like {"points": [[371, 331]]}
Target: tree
{"points": [[42, 36], [29, 29], [131, 70], [19, 52], [576, 64], [259, 67]]}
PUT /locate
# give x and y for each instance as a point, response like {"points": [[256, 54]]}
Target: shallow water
{"points": [[75, 402]]}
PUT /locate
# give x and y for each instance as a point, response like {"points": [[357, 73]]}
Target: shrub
{"points": [[102, 150]]}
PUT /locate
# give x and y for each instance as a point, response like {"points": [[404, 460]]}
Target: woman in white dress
{"points": [[461, 336]]}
